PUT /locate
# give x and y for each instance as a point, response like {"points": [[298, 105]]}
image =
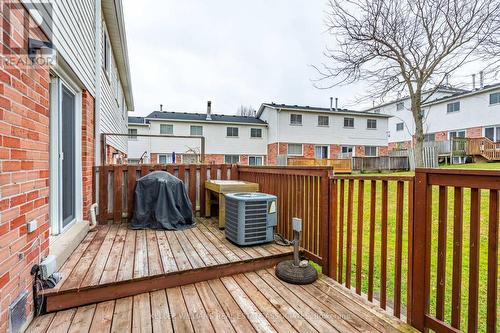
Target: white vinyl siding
{"points": [[295, 149]]}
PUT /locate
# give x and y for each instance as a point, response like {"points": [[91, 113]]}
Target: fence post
{"points": [[235, 174], [325, 220], [421, 249], [332, 232]]}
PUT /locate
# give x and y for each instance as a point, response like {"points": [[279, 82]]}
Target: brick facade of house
{"points": [[88, 151], [24, 159]]}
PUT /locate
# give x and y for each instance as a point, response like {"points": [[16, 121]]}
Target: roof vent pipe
{"points": [[209, 110], [336, 104], [161, 107], [473, 81], [481, 79], [331, 103]]}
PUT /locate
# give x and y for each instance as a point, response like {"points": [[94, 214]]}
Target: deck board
{"points": [[248, 302]]}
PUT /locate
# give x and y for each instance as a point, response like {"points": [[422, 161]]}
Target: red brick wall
{"points": [[24, 161], [88, 150], [308, 150], [383, 151], [441, 136], [359, 151], [335, 150], [474, 132], [214, 159], [272, 153]]}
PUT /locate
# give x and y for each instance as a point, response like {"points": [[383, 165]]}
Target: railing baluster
{"points": [[117, 193], [359, 234], [333, 228], [348, 252], [399, 248], [383, 248], [341, 230], [441, 255], [491, 307], [474, 259], [373, 203], [457, 258]]}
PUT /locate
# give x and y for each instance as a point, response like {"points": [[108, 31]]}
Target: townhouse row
{"points": [[64, 80], [276, 130]]}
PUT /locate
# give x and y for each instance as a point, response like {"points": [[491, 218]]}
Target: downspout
{"points": [[97, 103]]}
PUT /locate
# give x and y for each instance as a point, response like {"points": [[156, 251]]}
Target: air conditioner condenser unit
{"points": [[250, 217]]}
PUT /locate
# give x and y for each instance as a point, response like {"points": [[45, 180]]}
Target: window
{"points": [[457, 134], [400, 106], [255, 160], [453, 107], [347, 152], [166, 129], [295, 119], [430, 137], [165, 158], [232, 131], [133, 161], [492, 133], [323, 121], [196, 130], [132, 133], [349, 122], [400, 126], [321, 152], [371, 123], [256, 132], [370, 151], [495, 98], [106, 53], [294, 149], [231, 159]]}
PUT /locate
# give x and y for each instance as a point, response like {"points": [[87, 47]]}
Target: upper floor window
{"points": [[106, 53], [400, 106], [495, 98], [294, 149], [231, 159], [232, 131], [256, 132], [371, 123], [400, 126], [323, 121], [349, 122], [370, 151], [167, 129], [295, 119], [453, 107], [196, 130], [132, 133]]}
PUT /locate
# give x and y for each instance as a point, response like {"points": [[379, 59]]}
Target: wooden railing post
{"points": [[325, 224], [421, 249], [332, 235], [235, 174]]}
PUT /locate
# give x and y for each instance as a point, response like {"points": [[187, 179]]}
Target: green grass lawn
{"points": [[391, 240]]}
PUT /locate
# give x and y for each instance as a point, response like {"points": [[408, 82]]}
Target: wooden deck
{"points": [[115, 261], [248, 302]]}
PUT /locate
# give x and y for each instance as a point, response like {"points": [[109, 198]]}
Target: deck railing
{"points": [[380, 163], [338, 165], [484, 147]]}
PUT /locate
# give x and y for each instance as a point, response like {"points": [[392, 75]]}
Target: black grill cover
{"points": [[161, 202]]}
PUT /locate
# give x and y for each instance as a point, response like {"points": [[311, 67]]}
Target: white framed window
{"points": [[232, 132], [132, 133], [349, 122], [294, 149], [347, 151], [495, 98], [400, 106], [323, 121], [456, 134], [165, 158], [453, 107], [295, 119], [321, 152], [196, 130], [492, 133], [133, 161], [255, 160], [167, 129], [400, 127], [256, 132], [371, 123], [431, 137], [106, 53], [231, 159], [371, 151]]}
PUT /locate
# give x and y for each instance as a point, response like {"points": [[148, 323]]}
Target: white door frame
{"points": [[60, 78]]}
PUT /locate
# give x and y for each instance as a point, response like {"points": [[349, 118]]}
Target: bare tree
{"points": [[408, 46], [247, 111]]}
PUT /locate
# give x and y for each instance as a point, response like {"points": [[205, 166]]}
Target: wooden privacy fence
{"points": [[365, 209], [338, 165], [302, 192], [380, 163], [117, 184]]}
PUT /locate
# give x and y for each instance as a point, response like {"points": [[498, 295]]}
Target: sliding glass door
{"points": [[67, 144]]}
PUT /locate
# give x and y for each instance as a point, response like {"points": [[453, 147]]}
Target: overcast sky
{"points": [[232, 52]]}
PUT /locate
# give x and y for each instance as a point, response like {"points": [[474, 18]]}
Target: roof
{"points": [[438, 89], [464, 93], [308, 108], [137, 120], [202, 117], [113, 15]]}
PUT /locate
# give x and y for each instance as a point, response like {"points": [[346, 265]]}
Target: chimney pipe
{"points": [[481, 79], [161, 107], [473, 81], [336, 104], [331, 103], [209, 110]]}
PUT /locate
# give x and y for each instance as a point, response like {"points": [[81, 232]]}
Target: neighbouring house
{"points": [[219, 138], [316, 132], [53, 108]]}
